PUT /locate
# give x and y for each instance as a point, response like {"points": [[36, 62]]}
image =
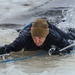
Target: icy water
{"points": [[22, 12]]}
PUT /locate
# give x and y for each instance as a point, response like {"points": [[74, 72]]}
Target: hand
{"points": [[54, 51], [57, 52], [2, 50]]}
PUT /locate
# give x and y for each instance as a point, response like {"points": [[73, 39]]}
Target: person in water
{"points": [[39, 34]]}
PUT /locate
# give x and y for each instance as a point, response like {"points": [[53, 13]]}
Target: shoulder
{"points": [[26, 29], [54, 34]]}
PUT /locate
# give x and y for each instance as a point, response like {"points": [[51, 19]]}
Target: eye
{"points": [[39, 37]]}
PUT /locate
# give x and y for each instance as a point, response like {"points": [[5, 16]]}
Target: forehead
{"points": [[38, 38]]}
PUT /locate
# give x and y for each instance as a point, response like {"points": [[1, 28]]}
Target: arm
{"points": [[58, 40], [18, 43]]}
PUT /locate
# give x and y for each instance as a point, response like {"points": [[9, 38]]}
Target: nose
{"points": [[37, 41]]}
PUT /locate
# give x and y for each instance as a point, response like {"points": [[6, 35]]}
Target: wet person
{"points": [[39, 35]]}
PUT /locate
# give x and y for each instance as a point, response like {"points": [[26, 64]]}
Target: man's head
{"points": [[39, 29]]}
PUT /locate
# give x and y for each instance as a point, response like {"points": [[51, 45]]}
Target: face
{"points": [[38, 41]]}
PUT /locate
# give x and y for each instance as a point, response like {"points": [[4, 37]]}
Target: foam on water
{"points": [[70, 20]]}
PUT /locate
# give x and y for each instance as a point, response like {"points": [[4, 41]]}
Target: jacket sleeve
{"points": [[20, 41], [58, 40]]}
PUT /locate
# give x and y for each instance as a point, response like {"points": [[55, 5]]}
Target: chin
{"points": [[38, 45]]}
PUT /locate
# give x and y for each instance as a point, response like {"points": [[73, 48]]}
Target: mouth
{"points": [[38, 44]]}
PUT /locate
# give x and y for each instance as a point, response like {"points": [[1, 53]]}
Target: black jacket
{"points": [[24, 40]]}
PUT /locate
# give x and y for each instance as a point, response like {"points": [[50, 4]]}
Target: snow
{"points": [[22, 12]]}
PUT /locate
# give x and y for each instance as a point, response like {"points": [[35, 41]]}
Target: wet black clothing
{"points": [[24, 40]]}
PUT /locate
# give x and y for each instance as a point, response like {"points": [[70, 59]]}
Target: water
{"points": [[42, 65]]}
